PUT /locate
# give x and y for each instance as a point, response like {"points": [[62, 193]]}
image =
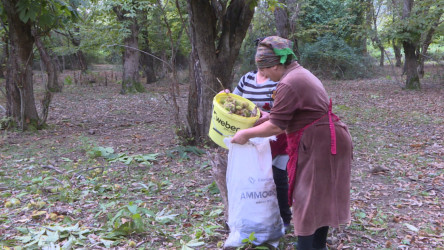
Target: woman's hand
{"points": [[225, 91], [265, 116], [264, 130], [240, 137]]}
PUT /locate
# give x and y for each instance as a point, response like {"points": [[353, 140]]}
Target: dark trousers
{"points": [[318, 240], [281, 180]]}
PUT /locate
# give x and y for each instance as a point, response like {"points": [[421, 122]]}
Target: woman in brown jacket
{"points": [[319, 144]]}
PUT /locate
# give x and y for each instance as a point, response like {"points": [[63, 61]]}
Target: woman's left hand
{"points": [[240, 137]]}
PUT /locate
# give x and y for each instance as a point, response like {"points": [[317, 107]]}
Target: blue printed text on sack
{"points": [[257, 195]]}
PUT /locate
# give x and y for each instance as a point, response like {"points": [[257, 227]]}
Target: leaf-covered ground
{"points": [[109, 172]]}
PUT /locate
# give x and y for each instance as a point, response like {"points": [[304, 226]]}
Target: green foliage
{"points": [[46, 13], [248, 243], [138, 86], [343, 19], [182, 152], [133, 87], [333, 58], [6, 123], [128, 220], [52, 237], [134, 218], [68, 80], [110, 156], [413, 27], [158, 31]]}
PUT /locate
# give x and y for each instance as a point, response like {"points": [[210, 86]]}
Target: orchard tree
{"points": [[435, 14], [53, 16], [20, 104], [23, 18], [409, 44], [126, 13], [415, 30], [373, 14], [129, 13], [217, 29]]}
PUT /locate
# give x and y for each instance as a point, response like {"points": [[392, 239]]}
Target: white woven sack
{"points": [[252, 201]]}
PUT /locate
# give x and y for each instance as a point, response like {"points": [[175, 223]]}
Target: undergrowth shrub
{"points": [[330, 57]]}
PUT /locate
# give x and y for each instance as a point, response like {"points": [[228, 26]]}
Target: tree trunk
{"points": [[53, 74], [359, 10], [82, 61], [131, 59], [411, 58], [372, 15], [19, 87], [285, 19], [411, 66], [381, 58], [213, 54], [131, 54], [281, 21], [398, 54], [4, 56], [147, 61], [426, 43], [79, 54]]}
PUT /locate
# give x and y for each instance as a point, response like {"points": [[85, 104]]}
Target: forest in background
{"points": [[104, 117], [152, 40]]}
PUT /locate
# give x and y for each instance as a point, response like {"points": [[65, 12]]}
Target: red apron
{"points": [[293, 140], [279, 146]]}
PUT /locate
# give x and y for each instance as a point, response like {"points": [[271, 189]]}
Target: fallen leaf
{"points": [[38, 214], [411, 227]]}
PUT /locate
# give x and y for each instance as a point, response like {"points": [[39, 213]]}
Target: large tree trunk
{"points": [[51, 70], [213, 55], [131, 58], [19, 87], [411, 66], [411, 58], [131, 54], [79, 54]]}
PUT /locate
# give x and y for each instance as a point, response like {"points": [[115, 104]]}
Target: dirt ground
{"points": [[397, 176]]}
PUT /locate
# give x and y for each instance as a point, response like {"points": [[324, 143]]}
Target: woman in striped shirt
{"points": [[260, 90]]}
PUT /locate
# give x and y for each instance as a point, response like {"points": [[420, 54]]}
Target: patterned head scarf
{"points": [[273, 50]]}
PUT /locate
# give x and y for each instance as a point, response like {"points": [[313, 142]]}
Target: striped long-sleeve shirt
{"points": [[260, 94]]}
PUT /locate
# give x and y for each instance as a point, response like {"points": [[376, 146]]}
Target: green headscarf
{"points": [[273, 50]]}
